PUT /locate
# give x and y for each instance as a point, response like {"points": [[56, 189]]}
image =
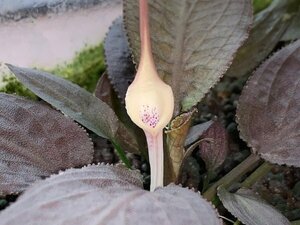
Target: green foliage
{"points": [[84, 70], [259, 5], [13, 86]]}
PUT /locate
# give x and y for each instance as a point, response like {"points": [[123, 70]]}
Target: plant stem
{"points": [[237, 222], [260, 172], [156, 159], [234, 175], [121, 154], [297, 222]]}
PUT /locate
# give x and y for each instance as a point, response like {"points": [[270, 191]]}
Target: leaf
{"points": [[106, 93], [293, 31], [104, 90], [268, 110], [74, 101], [250, 209], [120, 68], [215, 150], [193, 42], [36, 141], [196, 131], [106, 195], [176, 135], [268, 28]]}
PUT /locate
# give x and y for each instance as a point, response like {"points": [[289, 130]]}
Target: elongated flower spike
{"points": [[149, 101]]}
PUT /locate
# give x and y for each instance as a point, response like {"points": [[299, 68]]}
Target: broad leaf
{"points": [[120, 68], [193, 42], [268, 110], [36, 141], [250, 209], [269, 26], [214, 147], [75, 102], [107, 195]]}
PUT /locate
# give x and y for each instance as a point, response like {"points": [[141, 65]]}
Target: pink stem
{"points": [[156, 158], [144, 29]]}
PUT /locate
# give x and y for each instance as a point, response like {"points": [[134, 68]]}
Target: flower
{"points": [[150, 102]]}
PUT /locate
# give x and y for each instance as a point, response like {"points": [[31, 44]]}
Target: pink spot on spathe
{"points": [[149, 115]]}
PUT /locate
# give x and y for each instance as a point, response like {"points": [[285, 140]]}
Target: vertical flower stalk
{"points": [[149, 101]]}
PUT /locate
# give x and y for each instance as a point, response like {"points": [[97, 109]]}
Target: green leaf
{"points": [[107, 195], [37, 141], [193, 42], [268, 28], [75, 102], [250, 209], [268, 109], [259, 5]]}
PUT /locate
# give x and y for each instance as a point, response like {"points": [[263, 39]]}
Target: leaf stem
{"points": [[234, 175], [260, 172], [121, 154]]}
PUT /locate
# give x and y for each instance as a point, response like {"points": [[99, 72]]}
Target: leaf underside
{"points": [[268, 28], [120, 68], [250, 209], [193, 42], [75, 102], [36, 141], [107, 195], [268, 110]]}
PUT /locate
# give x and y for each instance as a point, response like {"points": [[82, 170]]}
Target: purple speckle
{"points": [[149, 115]]}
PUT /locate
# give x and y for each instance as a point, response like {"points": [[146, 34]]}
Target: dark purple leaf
{"points": [[107, 195], [120, 68], [36, 141], [214, 146], [268, 110], [193, 42], [75, 102]]}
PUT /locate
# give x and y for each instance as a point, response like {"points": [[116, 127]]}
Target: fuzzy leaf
{"points": [[74, 101], [106, 195], [269, 26], [215, 150], [193, 42], [36, 141], [120, 68], [176, 135], [268, 110], [250, 209]]}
